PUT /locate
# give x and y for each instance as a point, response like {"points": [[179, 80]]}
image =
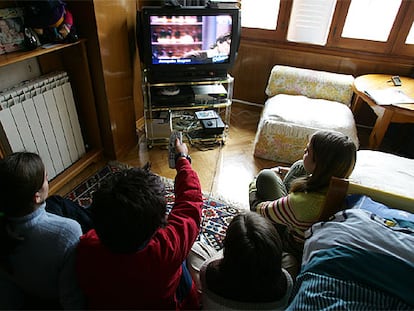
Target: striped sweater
{"points": [[297, 211]]}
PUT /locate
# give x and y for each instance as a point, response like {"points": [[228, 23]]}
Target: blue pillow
{"points": [[404, 219]]}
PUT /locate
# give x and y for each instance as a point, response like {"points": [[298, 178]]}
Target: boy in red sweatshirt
{"points": [[135, 256]]}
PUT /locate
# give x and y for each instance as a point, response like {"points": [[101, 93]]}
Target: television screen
{"points": [[190, 39], [190, 43]]}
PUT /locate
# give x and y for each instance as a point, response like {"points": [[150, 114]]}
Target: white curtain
{"points": [[310, 21]]}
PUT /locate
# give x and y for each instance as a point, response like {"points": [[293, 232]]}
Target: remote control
{"points": [[171, 147], [396, 80]]}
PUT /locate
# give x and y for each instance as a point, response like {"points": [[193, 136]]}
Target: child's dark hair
{"points": [[334, 155], [22, 175], [128, 208], [253, 255]]}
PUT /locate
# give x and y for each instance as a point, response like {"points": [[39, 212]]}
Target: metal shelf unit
{"points": [[179, 113]]}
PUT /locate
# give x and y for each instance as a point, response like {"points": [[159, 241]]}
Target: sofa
{"points": [[362, 258], [385, 171], [358, 260]]}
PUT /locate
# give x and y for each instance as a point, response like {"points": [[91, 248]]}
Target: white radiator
{"points": [[40, 116]]}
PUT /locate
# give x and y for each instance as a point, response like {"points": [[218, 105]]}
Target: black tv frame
{"points": [[184, 72]]}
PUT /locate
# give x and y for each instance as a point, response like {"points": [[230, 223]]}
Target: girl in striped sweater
{"points": [[295, 202]]}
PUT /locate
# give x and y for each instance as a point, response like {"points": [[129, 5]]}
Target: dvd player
{"points": [[183, 96], [209, 94]]}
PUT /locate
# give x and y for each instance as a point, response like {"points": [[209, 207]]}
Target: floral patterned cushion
{"points": [[287, 122], [310, 83]]}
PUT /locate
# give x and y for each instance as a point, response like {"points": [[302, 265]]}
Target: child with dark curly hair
{"points": [[135, 258]]}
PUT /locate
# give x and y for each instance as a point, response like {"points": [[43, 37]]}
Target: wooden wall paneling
{"points": [[136, 63], [137, 82], [255, 61], [251, 72], [50, 62], [85, 22], [112, 26], [77, 66], [105, 25]]}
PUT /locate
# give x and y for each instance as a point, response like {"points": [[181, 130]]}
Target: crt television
{"points": [[187, 43]]}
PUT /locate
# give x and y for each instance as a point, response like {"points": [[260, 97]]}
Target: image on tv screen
{"points": [[190, 39]]}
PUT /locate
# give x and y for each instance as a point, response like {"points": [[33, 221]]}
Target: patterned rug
{"points": [[216, 214]]}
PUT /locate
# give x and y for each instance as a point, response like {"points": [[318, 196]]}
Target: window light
{"points": [[410, 37], [310, 21], [370, 19], [262, 16]]}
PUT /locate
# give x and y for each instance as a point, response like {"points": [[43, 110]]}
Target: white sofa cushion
{"points": [[384, 171], [287, 122]]}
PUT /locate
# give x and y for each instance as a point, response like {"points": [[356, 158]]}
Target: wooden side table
{"points": [[403, 113]]}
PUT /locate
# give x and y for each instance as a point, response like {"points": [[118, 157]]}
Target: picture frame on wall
{"points": [[11, 30]]}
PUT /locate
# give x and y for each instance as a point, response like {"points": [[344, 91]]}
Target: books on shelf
{"points": [[390, 96]]}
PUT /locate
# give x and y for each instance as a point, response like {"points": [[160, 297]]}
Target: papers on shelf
{"points": [[390, 96]]}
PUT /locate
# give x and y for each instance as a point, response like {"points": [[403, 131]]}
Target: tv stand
{"points": [[166, 111], [172, 76]]}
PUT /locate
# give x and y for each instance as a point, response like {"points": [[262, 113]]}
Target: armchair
{"points": [[301, 102]]}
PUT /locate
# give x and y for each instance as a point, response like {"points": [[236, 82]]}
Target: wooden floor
{"points": [[225, 171]]}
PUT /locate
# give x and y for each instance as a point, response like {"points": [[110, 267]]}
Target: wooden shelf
{"points": [[91, 157], [15, 57]]}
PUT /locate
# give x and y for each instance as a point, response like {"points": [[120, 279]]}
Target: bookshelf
{"points": [[73, 59]]}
